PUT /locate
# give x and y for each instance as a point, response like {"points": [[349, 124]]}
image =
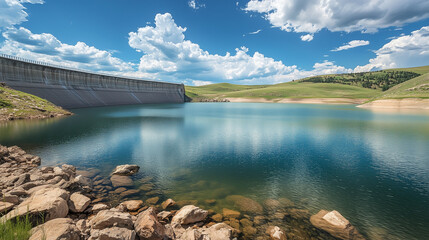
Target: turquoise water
{"points": [[371, 167]]}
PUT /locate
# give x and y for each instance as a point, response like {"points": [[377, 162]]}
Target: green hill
{"points": [[369, 85], [415, 88], [19, 105]]}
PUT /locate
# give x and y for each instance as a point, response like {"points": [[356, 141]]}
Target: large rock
{"points": [[336, 225], [114, 233], [121, 181], [245, 204], [131, 205], [126, 170], [45, 204], [219, 231], [78, 202], [148, 227], [276, 233], [189, 214], [56, 229], [111, 218]]}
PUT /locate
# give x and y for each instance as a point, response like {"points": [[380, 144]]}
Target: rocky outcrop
{"points": [[56, 229], [126, 170], [336, 225], [45, 204]]}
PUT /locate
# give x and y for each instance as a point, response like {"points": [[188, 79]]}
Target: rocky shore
{"points": [[64, 203]]}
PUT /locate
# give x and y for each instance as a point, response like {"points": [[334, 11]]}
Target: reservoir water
{"points": [[371, 167]]}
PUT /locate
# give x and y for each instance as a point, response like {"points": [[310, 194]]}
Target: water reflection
{"points": [[371, 167]]}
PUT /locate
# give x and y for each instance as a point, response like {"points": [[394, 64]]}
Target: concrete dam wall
{"points": [[71, 88]]}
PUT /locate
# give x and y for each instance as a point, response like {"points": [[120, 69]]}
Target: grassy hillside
{"points": [[415, 88], [284, 90], [19, 105], [354, 86]]}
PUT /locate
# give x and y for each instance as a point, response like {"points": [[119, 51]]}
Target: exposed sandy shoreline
{"points": [[301, 100], [406, 103]]}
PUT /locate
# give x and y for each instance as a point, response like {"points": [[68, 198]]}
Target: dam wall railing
{"points": [[73, 88]]}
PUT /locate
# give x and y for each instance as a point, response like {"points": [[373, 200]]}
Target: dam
{"points": [[72, 88]]}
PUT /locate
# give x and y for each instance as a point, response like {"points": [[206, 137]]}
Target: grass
{"points": [[19, 105], [415, 88], [300, 89], [278, 91], [17, 229]]}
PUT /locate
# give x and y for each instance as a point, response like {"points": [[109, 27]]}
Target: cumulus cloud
{"points": [[351, 44], [307, 37], [311, 16], [193, 4], [200, 83], [405, 51], [45, 47], [12, 12]]}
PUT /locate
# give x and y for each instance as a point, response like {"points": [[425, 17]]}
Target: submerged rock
{"points": [[121, 181], [276, 233], [228, 213], [245, 204], [168, 203], [126, 170], [56, 229], [336, 225]]}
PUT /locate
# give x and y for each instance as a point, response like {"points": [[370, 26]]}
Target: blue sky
{"points": [[209, 41]]}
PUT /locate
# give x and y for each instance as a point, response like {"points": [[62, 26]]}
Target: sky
{"points": [[198, 42]]}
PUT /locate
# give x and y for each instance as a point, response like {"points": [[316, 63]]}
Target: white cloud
{"points": [[351, 44], [12, 12], [405, 51], [311, 16], [168, 54], [256, 32], [193, 4], [45, 47], [200, 83], [307, 37]]}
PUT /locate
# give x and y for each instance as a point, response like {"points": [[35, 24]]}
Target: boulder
{"points": [[219, 231], [78, 202], [111, 218], [276, 233], [336, 225], [131, 205], [56, 229], [84, 182], [121, 181], [164, 215], [189, 214], [168, 203], [126, 170], [114, 233], [148, 227], [98, 207], [245, 204], [45, 204]]}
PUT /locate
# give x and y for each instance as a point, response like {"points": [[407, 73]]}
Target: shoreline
{"points": [[300, 100], [61, 203], [394, 104]]}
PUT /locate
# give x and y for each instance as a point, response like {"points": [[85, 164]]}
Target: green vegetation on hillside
{"points": [[375, 80], [283, 90], [415, 88], [354, 86], [19, 105]]}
